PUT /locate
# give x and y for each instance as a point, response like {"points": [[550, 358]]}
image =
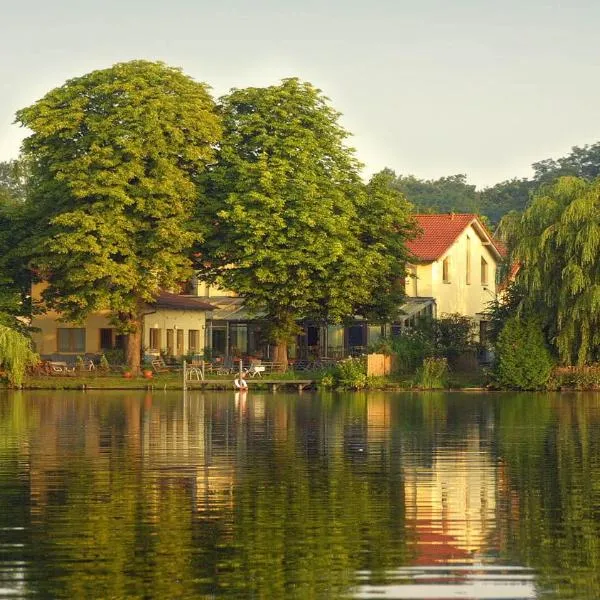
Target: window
{"points": [[170, 342], [484, 271], [468, 260], [193, 340], [446, 270], [179, 342], [106, 339], [71, 340], [155, 340]]}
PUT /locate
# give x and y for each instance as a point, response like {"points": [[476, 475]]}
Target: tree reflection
{"points": [[551, 448], [272, 496]]}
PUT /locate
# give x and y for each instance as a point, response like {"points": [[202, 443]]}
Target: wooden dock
{"points": [[272, 384]]}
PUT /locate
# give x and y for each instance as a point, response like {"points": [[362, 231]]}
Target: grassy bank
{"points": [[173, 381]]}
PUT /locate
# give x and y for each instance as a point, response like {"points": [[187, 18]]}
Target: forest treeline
{"points": [[454, 194], [449, 193]]}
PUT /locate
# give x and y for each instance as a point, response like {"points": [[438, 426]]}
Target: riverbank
{"points": [[174, 381]]}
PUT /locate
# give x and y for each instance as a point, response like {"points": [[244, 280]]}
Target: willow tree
{"points": [[558, 244], [115, 157], [16, 354], [288, 223]]}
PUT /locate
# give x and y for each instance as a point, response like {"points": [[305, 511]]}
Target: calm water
{"points": [[379, 495]]}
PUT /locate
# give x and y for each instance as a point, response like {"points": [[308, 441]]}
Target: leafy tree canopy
{"points": [[13, 181], [444, 195], [583, 162], [115, 156], [557, 245], [14, 276], [288, 224]]}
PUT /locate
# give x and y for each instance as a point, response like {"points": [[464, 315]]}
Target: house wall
{"points": [[458, 296], [165, 319], [46, 339]]}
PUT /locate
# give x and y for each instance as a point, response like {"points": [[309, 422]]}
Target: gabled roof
{"points": [[439, 232], [181, 302]]}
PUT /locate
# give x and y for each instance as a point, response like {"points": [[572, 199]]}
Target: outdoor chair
{"points": [[159, 366], [256, 370]]}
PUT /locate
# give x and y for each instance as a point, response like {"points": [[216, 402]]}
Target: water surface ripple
{"points": [[325, 495]]}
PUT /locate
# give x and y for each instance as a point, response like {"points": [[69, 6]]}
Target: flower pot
{"points": [[148, 374], [127, 375]]}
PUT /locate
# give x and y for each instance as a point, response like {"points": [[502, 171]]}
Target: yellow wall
{"points": [[201, 288], [458, 296], [46, 342], [175, 319], [46, 339]]}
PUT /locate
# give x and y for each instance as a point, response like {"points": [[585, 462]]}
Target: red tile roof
{"points": [[439, 232]]}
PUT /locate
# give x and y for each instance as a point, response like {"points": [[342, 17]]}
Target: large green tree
{"points": [[13, 181], [115, 156], [557, 246], [288, 224], [15, 285]]}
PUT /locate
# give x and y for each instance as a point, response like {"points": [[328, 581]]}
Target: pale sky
{"points": [[430, 88]]}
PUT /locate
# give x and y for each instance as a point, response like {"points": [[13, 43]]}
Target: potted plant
{"points": [[147, 370]]}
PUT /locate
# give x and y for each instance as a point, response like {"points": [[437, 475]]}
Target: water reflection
{"points": [[373, 495]]}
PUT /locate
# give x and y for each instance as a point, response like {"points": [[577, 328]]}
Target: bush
{"points": [[578, 378], [523, 360], [433, 374], [411, 347], [351, 373], [104, 364], [115, 356]]}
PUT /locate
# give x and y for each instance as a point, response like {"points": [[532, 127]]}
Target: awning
{"points": [[417, 306], [232, 309]]}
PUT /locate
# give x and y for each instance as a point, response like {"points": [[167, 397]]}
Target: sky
{"points": [[426, 87]]}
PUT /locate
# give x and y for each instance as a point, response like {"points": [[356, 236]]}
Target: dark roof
{"points": [[439, 232], [181, 302]]}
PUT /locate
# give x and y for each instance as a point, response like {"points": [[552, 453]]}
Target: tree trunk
{"points": [[134, 346], [280, 354]]}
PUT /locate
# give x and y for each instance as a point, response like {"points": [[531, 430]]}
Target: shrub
{"points": [[351, 373], [411, 347], [523, 360], [115, 356], [433, 373], [580, 378], [104, 365]]}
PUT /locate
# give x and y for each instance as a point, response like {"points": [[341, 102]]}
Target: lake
{"points": [[315, 495]]}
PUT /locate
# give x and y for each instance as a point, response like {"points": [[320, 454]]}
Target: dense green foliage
{"points": [[558, 247], [454, 194], [15, 354], [450, 337], [523, 360], [583, 162], [15, 285], [433, 374], [13, 181], [115, 157], [444, 195], [351, 373], [288, 224]]}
